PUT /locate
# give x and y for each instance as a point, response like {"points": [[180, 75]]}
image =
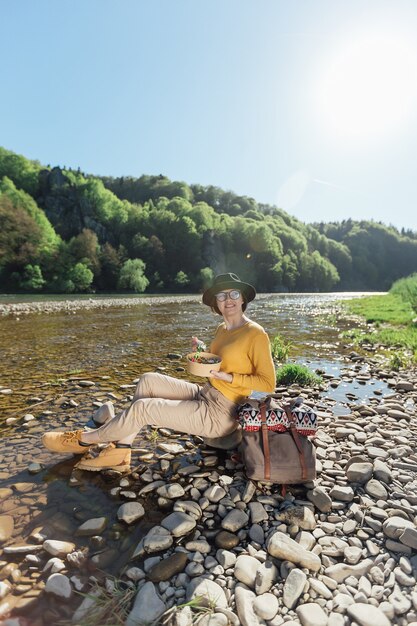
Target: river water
{"points": [[44, 358], [40, 350]]}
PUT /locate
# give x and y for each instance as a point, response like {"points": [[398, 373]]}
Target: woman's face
{"points": [[229, 301]]}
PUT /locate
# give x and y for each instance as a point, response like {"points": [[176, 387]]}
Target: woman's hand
{"points": [[228, 378], [195, 343]]}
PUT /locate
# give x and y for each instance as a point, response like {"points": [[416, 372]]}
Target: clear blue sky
{"points": [[310, 105]]}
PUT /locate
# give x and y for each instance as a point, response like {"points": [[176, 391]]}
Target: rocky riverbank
{"points": [[73, 304], [339, 552]]}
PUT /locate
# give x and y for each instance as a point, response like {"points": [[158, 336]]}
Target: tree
{"points": [[32, 278], [81, 277], [132, 276], [181, 279], [85, 248], [111, 262]]}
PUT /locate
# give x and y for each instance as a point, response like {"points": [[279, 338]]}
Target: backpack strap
{"points": [[296, 437], [265, 443]]}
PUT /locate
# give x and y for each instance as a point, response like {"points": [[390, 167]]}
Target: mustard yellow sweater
{"points": [[246, 353]]}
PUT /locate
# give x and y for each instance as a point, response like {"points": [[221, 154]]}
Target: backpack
{"points": [[275, 441]]}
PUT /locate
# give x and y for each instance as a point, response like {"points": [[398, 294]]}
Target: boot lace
{"points": [[71, 437]]}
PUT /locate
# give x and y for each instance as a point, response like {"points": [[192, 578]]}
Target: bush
{"points": [[132, 276], [406, 288], [32, 278], [300, 374], [81, 277]]}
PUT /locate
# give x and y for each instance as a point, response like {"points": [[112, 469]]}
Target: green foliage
{"points": [[280, 348], [406, 289], [293, 373], [81, 277], [23, 172], [379, 254], [183, 234], [132, 276], [398, 361], [181, 279], [32, 278], [22, 201]]}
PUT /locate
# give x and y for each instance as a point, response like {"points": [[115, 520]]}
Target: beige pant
{"points": [[168, 402]]}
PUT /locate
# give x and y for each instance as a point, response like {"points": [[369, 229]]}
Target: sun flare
{"points": [[369, 90]]}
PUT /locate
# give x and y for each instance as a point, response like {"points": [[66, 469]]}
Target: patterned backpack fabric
{"points": [[275, 445], [277, 419]]}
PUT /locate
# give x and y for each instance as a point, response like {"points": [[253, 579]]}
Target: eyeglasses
{"points": [[223, 295]]}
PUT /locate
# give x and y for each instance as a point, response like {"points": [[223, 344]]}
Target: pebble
{"points": [[59, 585], [130, 512]]}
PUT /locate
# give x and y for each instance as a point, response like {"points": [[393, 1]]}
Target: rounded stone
{"points": [[169, 567], [266, 606]]}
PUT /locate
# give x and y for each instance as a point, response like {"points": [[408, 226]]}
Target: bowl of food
{"points": [[202, 363]]}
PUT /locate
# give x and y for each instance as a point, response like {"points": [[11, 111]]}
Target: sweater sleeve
{"points": [[264, 377]]}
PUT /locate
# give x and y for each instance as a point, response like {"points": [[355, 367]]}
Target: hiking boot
{"points": [[114, 457], [65, 442]]}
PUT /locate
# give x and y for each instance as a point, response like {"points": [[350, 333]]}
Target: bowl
{"points": [[203, 369]]}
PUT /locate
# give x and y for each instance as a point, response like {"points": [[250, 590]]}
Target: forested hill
{"points": [[64, 231]]}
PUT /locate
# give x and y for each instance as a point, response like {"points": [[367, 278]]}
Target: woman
{"points": [[162, 401]]}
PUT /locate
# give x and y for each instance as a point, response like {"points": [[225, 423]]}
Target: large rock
{"points": [[266, 576], [375, 489], [382, 471], [341, 571], [169, 567], [245, 599], [311, 614], [321, 499], [235, 520], [286, 549], [409, 538], [148, 607], [359, 472], [344, 494], [157, 539], [179, 524], [214, 493], [266, 606], [59, 585], [130, 512], [394, 526], [58, 548], [301, 516], [210, 592], [171, 491], [245, 569], [367, 615], [293, 587], [94, 526]]}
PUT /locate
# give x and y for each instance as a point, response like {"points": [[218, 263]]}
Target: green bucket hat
{"points": [[228, 281]]}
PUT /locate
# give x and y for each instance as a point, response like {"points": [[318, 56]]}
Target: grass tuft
{"points": [[112, 604], [280, 348], [293, 373]]}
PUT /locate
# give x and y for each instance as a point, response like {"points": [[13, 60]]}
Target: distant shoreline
{"points": [[73, 305], [77, 302]]}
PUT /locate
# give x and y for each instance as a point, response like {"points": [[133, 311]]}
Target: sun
{"points": [[369, 88]]}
